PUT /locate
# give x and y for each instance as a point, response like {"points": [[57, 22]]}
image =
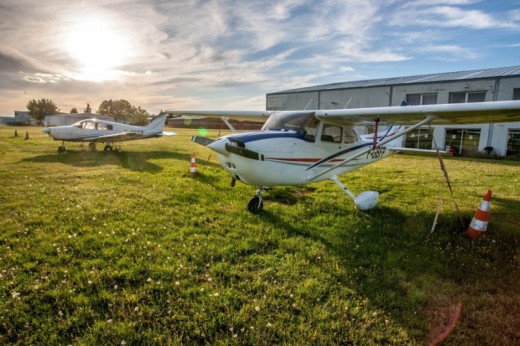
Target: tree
{"points": [[38, 110], [123, 111], [74, 110], [88, 109]]}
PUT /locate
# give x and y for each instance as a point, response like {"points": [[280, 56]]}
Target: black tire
{"points": [[108, 148], [255, 205]]}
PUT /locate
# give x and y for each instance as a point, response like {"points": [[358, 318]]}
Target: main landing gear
{"points": [[256, 203], [364, 201], [109, 146], [61, 148]]}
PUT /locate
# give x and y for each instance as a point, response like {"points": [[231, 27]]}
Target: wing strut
{"points": [[315, 175], [377, 120], [447, 178]]}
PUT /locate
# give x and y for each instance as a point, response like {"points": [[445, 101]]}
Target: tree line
{"points": [[121, 110]]}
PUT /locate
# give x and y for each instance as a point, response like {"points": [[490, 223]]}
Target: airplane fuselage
{"points": [[95, 130], [288, 158], [108, 132]]}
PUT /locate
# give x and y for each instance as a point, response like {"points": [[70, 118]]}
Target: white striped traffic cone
{"points": [[193, 165], [479, 223]]}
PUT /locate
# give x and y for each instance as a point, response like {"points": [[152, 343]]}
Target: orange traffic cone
{"points": [[193, 165], [479, 223]]}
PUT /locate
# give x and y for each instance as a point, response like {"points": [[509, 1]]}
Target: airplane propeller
{"points": [[238, 150], [224, 146]]}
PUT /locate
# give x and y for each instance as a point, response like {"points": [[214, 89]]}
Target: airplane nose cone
{"points": [[220, 146], [46, 130]]}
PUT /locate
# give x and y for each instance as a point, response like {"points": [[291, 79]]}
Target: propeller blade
{"points": [[205, 141]]}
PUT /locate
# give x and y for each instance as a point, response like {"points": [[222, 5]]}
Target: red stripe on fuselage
{"points": [[301, 160]]}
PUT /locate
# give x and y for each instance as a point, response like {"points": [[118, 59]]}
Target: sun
{"points": [[99, 47]]}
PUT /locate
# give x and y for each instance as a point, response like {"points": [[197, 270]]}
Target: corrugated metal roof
{"points": [[427, 78]]}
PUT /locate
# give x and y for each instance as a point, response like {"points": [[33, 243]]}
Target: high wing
{"points": [[260, 116], [453, 113]]}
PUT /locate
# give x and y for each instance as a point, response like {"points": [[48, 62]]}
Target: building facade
{"points": [[486, 85], [20, 118]]}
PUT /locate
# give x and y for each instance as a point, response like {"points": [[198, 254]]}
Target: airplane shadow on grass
{"points": [[392, 258], [135, 161]]}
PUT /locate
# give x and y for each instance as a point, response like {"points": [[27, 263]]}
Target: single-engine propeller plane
{"points": [[302, 147], [109, 132]]}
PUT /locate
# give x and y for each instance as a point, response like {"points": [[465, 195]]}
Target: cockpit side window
{"points": [[89, 125], [305, 124], [350, 136], [331, 133]]}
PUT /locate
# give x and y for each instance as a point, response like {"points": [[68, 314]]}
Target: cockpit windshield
{"points": [[302, 122]]}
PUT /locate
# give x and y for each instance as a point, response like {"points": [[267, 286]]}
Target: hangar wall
{"points": [[487, 85]]}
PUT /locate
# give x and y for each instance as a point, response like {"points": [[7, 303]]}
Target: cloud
{"points": [[447, 14], [449, 53], [193, 52]]}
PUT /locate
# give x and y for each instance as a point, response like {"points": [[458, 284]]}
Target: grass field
{"points": [[103, 248]]}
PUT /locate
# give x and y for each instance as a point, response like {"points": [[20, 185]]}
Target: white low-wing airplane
{"points": [[109, 132], [302, 147]]}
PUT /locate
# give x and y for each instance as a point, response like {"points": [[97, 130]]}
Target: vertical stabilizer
{"points": [[157, 125]]}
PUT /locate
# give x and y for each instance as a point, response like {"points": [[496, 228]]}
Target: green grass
{"points": [[128, 248]]}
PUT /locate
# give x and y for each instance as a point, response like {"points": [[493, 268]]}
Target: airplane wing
{"points": [[126, 136], [260, 116], [453, 113], [114, 137]]}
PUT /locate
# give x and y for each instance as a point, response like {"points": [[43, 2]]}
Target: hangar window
{"points": [[513, 143], [470, 96], [421, 99], [419, 139], [463, 141], [516, 94]]}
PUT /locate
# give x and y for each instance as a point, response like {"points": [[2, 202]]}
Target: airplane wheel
{"points": [[61, 149], [255, 205], [108, 148]]}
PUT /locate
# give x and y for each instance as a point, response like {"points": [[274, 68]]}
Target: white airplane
{"points": [[95, 130], [302, 147]]}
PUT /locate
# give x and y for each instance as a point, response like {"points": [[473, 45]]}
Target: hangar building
{"points": [[486, 85]]}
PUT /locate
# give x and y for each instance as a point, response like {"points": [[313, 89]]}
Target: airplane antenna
{"points": [[346, 105], [308, 104]]}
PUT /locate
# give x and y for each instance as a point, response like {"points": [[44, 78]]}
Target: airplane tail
{"points": [[155, 128], [157, 125]]}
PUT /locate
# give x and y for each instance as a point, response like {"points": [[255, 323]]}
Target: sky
{"points": [[227, 54]]}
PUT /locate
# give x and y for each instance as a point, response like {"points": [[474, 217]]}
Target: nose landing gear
{"points": [[256, 203]]}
